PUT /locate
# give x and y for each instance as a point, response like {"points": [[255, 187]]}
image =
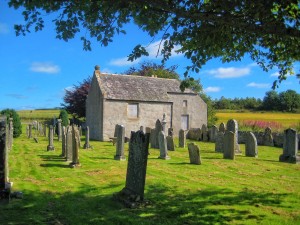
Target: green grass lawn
{"points": [[244, 191]]}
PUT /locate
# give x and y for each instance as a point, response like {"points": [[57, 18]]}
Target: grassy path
{"points": [[245, 191]]}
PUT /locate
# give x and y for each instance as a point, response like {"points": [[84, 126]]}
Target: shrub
{"points": [[16, 121]]}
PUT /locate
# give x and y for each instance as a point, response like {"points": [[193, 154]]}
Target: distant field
{"points": [[29, 115], [286, 119]]}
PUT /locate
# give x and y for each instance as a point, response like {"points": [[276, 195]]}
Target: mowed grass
{"points": [[244, 191], [285, 119]]}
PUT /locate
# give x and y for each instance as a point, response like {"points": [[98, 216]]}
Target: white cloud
{"points": [[44, 67], [258, 85], [212, 89], [276, 74], [123, 62], [230, 72], [4, 28]]}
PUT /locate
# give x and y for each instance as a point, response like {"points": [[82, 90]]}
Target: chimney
{"points": [[97, 70]]}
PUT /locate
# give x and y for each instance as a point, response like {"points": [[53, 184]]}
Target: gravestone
{"points": [[170, 132], [251, 145], [213, 133], [63, 141], [290, 147], [163, 148], [45, 130], [75, 144], [142, 128], [69, 144], [163, 123], [219, 145], [152, 138], [148, 130], [222, 127], [204, 133], [50, 147], [59, 132], [87, 138], [170, 143], [132, 195], [194, 154], [4, 190], [120, 143], [181, 138], [29, 130], [268, 137], [229, 145], [232, 125], [158, 128]]}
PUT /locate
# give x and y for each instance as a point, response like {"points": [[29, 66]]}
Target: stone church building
{"points": [[135, 101]]}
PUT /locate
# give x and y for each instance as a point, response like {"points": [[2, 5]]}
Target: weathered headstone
{"points": [[181, 138], [4, 190], [163, 148], [229, 145], [290, 147], [194, 154], [75, 144], [158, 128], [219, 145], [204, 133], [69, 144], [59, 132], [87, 138], [132, 195], [213, 133], [148, 130], [170, 143], [152, 138], [142, 128], [163, 123], [120, 143], [268, 137], [251, 145], [50, 147], [232, 125], [63, 141], [29, 130], [222, 127]]}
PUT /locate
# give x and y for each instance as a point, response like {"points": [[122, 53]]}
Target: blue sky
{"points": [[37, 68]]}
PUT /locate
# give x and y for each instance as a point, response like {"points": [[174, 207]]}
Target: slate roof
{"points": [[138, 88]]}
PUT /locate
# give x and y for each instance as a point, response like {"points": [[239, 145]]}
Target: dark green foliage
{"points": [[63, 115], [211, 112], [267, 31], [11, 113], [289, 101]]}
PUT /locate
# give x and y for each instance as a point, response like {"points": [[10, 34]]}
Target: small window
{"points": [[132, 110], [184, 103]]}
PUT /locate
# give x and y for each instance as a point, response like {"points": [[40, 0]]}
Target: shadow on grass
{"points": [[92, 205], [52, 158], [55, 165]]}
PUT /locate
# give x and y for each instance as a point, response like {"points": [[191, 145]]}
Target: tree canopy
{"points": [[268, 31]]}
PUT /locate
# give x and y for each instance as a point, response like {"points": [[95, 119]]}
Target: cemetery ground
{"points": [[242, 191]]}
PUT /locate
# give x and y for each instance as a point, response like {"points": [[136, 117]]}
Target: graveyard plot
{"points": [[244, 191]]}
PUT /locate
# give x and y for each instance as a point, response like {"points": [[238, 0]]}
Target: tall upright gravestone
{"points": [[87, 138], [59, 131], [181, 138], [251, 145], [4, 191], [63, 142], [75, 141], [163, 147], [69, 144], [50, 146], [120, 143], [133, 194], [290, 147], [232, 125], [229, 143]]}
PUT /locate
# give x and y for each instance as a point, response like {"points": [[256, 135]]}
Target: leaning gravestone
{"points": [[229, 145], [163, 148], [268, 138], [219, 145], [170, 143], [4, 190], [290, 147], [251, 145], [181, 138], [194, 154], [75, 144], [232, 125], [120, 143], [50, 147], [69, 144], [132, 195]]}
